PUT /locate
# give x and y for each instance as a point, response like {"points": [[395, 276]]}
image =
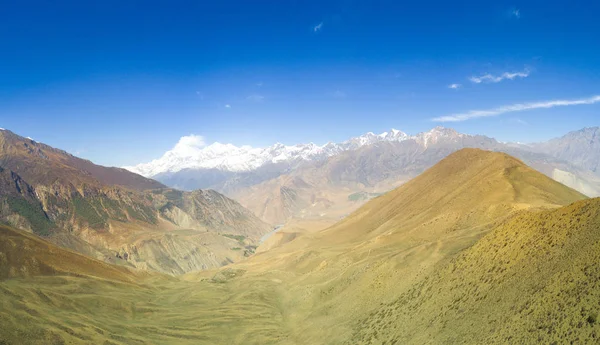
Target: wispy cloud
{"points": [[255, 98], [259, 84], [318, 27], [473, 114], [454, 86], [516, 13], [490, 78], [227, 106]]}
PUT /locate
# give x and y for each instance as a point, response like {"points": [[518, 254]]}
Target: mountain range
{"points": [[309, 181], [580, 147]]}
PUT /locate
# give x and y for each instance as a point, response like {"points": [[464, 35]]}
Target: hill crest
{"points": [[467, 188]]}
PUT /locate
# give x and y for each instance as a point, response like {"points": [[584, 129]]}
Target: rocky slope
{"points": [[118, 216]]}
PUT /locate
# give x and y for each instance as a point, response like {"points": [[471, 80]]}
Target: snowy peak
{"points": [[191, 153]]}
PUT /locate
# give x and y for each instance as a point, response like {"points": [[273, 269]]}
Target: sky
{"points": [[120, 82]]}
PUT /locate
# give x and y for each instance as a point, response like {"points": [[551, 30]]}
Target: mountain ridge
{"points": [[371, 175], [231, 158]]}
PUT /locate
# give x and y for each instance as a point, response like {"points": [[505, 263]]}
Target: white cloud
{"points": [[255, 98], [454, 86], [489, 78], [318, 27], [516, 13], [189, 145], [473, 114], [227, 106]]}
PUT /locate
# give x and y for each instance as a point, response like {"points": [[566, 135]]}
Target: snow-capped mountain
{"points": [[189, 153]]}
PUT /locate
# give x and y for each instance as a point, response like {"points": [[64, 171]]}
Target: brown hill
{"points": [[389, 245], [470, 187]]}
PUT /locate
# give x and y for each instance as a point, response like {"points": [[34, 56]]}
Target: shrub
{"points": [[84, 210], [35, 215]]}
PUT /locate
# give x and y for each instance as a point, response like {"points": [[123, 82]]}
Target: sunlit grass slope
{"points": [[533, 279]]}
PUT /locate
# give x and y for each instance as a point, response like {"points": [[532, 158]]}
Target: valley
{"points": [[405, 267]]}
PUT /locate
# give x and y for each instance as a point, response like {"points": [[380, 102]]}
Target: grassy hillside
{"points": [[533, 279]]}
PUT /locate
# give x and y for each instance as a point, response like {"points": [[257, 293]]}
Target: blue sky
{"points": [[119, 82]]}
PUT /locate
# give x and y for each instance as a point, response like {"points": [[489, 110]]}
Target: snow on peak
{"points": [[191, 152]]}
